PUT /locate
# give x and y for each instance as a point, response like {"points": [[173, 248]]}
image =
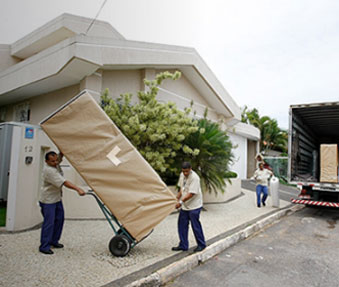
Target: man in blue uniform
{"points": [[50, 202], [190, 202]]}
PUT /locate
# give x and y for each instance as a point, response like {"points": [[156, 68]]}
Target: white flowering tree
{"points": [[157, 130]]}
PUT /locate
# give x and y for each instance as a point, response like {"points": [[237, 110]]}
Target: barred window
{"points": [[22, 112]]}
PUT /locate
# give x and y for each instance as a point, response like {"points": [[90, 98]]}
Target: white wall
{"points": [[182, 92], [6, 60], [232, 190], [240, 155], [78, 206], [183, 87], [122, 82], [43, 105]]}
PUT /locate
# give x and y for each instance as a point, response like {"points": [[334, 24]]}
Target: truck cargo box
{"points": [[311, 125]]}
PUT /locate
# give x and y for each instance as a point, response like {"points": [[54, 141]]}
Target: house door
{"points": [[251, 153]]}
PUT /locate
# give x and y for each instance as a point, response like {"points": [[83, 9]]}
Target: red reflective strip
{"points": [[317, 203]]}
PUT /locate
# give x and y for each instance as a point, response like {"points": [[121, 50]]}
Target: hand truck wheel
{"points": [[119, 245], [120, 232]]}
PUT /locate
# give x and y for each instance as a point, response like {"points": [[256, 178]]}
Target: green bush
{"points": [[157, 130], [212, 162], [231, 174], [166, 136]]}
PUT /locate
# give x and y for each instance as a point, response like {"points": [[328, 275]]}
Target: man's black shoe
{"points": [[178, 248], [58, 245], [199, 248], [263, 203], [49, 252]]}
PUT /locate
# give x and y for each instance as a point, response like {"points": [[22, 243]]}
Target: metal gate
{"points": [[6, 131]]}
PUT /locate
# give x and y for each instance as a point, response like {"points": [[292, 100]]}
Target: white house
{"points": [[49, 66]]}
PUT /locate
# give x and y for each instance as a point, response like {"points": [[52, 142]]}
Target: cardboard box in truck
{"points": [[329, 163]]}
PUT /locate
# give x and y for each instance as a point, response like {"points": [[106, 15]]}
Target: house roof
{"points": [[59, 54], [58, 29]]}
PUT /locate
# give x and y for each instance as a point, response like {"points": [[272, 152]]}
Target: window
{"points": [[22, 112], [2, 114]]}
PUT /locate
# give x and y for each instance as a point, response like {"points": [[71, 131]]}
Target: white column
{"points": [[13, 179], [93, 84]]}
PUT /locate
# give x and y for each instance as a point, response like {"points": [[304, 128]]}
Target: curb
{"points": [[175, 269]]}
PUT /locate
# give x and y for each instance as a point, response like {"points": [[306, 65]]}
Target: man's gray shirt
{"points": [[53, 181]]}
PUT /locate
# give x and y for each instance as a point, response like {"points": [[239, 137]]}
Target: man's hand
{"points": [[81, 192], [178, 205], [60, 157]]}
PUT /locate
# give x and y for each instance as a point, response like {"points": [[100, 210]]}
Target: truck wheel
{"points": [[119, 245]]}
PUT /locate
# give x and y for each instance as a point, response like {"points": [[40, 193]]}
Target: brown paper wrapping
{"points": [[110, 165], [329, 163]]}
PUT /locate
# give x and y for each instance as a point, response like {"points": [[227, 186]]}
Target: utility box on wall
{"points": [[22, 147]]}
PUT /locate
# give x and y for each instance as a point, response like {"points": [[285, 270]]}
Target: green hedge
{"points": [[2, 216]]}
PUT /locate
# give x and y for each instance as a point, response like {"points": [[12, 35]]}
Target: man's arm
{"points": [[193, 189], [185, 198], [179, 194], [179, 186], [178, 204], [72, 186]]}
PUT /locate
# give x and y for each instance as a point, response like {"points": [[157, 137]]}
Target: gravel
{"points": [[86, 261]]}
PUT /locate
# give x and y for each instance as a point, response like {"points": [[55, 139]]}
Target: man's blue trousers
{"points": [[261, 189], [185, 217], [52, 225]]}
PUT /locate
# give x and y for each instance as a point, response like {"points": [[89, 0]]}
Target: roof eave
{"points": [[93, 53]]}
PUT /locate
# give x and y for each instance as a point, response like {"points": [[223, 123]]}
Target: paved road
{"points": [[300, 250], [285, 192]]}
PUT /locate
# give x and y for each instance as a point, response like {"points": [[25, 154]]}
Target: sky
{"points": [[268, 54]]}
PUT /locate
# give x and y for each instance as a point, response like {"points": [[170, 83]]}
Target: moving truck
{"points": [[313, 153]]}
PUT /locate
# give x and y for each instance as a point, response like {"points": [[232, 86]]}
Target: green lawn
{"points": [[2, 216]]}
